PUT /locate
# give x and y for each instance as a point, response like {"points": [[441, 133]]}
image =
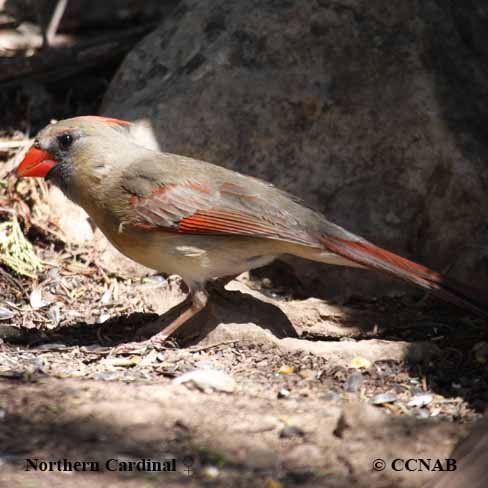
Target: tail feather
{"points": [[374, 257]]}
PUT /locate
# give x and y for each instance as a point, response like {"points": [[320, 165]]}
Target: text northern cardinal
{"points": [[182, 216]]}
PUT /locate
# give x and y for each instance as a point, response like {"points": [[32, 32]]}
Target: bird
{"points": [[201, 221]]}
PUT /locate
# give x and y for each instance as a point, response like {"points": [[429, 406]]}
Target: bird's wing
{"points": [[217, 207]]}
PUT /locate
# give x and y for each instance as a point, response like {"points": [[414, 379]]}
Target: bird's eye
{"points": [[65, 141]]}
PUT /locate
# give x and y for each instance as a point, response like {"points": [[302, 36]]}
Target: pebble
{"points": [[210, 472], [5, 313], [208, 380], [291, 431], [103, 318], [382, 398], [420, 400], [283, 393], [155, 280]]}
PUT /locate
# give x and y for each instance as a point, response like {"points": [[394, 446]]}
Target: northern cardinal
{"points": [[183, 216]]}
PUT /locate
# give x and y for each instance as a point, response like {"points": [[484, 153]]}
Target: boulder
{"points": [[373, 112]]}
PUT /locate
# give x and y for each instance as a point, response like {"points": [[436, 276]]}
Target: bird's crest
{"points": [[107, 120]]}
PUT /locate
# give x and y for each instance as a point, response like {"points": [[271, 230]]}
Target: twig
{"points": [[13, 281], [58, 13], [210, 346], [14, 144], [61, 62]]}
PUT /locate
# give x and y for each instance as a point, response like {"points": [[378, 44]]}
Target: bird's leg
{"points": [[198, 297]]}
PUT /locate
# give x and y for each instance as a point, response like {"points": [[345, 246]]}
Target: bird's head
{"points": [[76, 149]]}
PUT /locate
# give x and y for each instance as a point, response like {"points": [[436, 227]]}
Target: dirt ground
{"points": [[290, 390], [288, 412]]}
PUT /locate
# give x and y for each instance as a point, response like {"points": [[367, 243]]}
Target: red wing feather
{"points": [[193, 208], [224, 222]]}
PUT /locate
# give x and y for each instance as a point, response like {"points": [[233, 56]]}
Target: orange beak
{"points": [[36, 163]]}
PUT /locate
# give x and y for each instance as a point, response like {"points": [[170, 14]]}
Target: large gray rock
{"points": [[374, 112]]}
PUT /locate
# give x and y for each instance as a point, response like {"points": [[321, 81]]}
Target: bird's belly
{"points": [[196, 258]]}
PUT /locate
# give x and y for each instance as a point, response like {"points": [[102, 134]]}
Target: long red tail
{"points": [[374, 257]]}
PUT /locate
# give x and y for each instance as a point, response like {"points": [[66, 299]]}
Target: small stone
{"points": [[155, 280], [435, 412], [103, 318], [40, 364], [383, 398], [207, 380], [283, 393], [5, 314], [420, 400], [354, 382], [210, 472], [291, 431], [53, 274], [106, 297]]}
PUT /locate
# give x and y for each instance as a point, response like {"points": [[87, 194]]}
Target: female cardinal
{"points": [[182, 216]]}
